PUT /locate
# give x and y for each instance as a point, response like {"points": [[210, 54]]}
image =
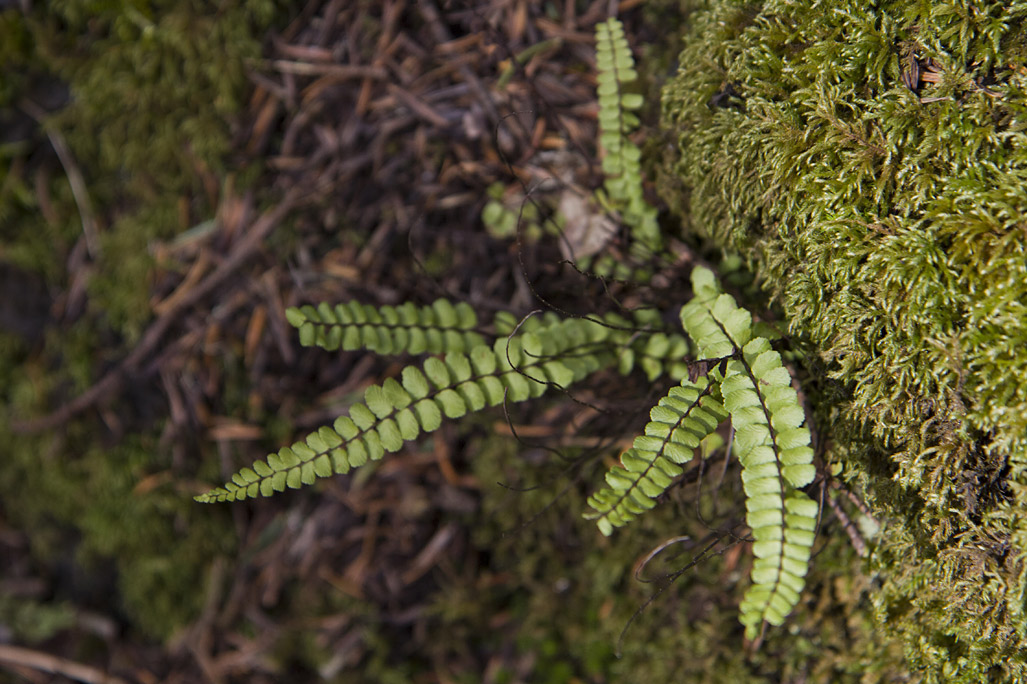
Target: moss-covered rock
{"points": [[870, 165]]}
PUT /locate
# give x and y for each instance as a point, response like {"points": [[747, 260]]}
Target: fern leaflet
{"points": [[387, 330]]}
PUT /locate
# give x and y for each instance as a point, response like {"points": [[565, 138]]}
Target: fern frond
{"points": [[680, 421], [617, 120], [409, 329], [769, 442], [395, 412]]}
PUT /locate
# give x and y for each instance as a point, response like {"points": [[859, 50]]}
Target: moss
{"points": [[887, 224], [118, 508], [153, 89], [144, 93], [33, 621], [128, 309], [15, 49]]}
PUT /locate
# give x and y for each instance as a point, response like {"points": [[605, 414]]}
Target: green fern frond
{"points": [[713, 320], [776, 459], [741, 377], [407, 328], [617, 120], [681, 420], [769, 442], [396, 412]]}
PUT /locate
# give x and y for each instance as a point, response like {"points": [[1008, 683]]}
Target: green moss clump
{"points": [[144, 94], [152, 91], [116, 508], [34, 621], [871, 167]]}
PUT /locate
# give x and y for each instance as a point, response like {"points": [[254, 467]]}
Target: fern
{"points": [[736, 375], [743, 379], [617, 120], [747, 382], [548, 353], [681, 420], [622, 193]]}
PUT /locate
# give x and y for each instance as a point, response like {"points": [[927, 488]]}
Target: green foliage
{"points": [[33, 621], [153, 88], [586, 225], [617, 120], [89, 513], [870, 167], [550, 353], [771, 445], [15, 51], [388, 330], [501, 220], [753, 388], [518, 361], [568, 593], [751, 385], [681, 420], [157, 91]]}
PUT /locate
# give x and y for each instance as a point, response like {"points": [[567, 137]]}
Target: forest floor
{"points": [[379, 129]]}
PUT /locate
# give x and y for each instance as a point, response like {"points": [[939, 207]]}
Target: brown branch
{"points": [[850, 528], [45, 662], [75, 180], [339, 71]]}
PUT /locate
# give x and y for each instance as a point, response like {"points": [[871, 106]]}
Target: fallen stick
{"points": [[45, 662]]}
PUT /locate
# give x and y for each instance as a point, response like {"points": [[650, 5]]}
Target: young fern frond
{"points": [[681, 420], [747, 382], [388, 330], [617, 120]]}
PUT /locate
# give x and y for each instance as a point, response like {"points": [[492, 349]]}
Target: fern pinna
{"points": [[747, 383]]}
